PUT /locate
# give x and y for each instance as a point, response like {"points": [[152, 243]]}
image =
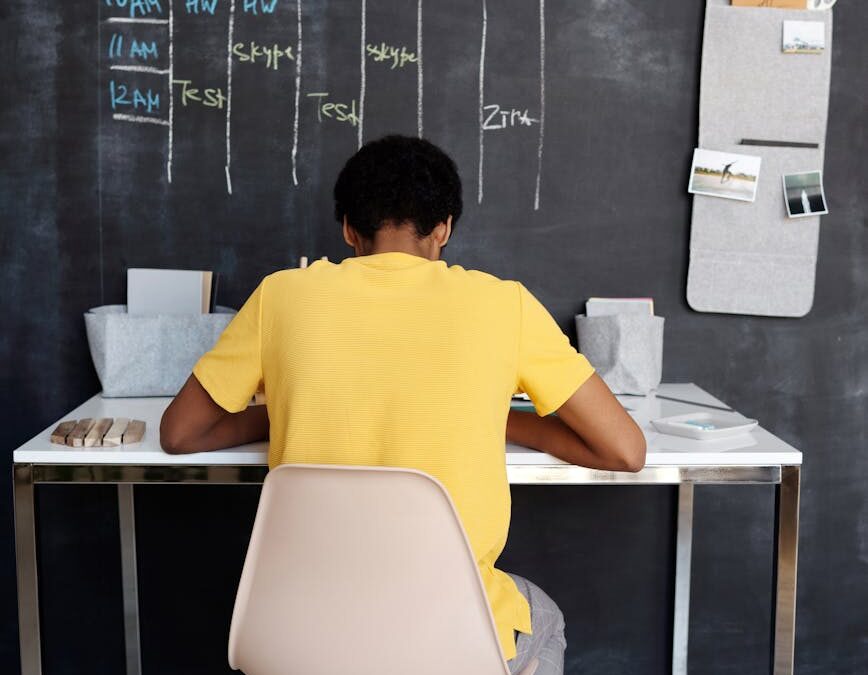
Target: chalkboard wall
{"points": [[605, 128]]}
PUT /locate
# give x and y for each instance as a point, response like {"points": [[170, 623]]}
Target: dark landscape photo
{"points": [[804, 195]]}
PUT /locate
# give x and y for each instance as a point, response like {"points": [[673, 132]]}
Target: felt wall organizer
{"points": [[149, 355], [750, 258], [625, 349]]}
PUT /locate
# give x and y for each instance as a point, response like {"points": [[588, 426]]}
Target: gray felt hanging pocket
{"points": [[149, 355], [750, 258], [625, 349]]}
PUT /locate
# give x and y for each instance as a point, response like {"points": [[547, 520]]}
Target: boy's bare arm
{"points": [[591, 429], [193, 422]]}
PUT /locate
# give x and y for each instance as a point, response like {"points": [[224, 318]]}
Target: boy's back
{"points": [[396, 360], [393, 358]]}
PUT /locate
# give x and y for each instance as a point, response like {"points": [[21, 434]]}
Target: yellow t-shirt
{"points": [[396, 360]]}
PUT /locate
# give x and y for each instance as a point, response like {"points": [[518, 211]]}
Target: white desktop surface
{"points": [[758, 448]]}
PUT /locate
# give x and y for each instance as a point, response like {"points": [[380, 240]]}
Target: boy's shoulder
{"points": [[318, 271], [476, 275], [291, 275], [484, 280]]}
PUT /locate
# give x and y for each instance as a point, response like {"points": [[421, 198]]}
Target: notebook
{"points": [[156, 291], [609, 306]]}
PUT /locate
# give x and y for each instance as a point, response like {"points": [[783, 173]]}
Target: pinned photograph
{"points": [[804, 195], [804, 37], [724, 174]]}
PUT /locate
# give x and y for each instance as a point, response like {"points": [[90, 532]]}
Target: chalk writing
{"points": [[399, 56], [200, 6], [116, 46], [137, 8], [496, 117], [341, 112], [127, 53], [505, 118], [257, 7], [143, 51], [212, 97], [270, 56], [125, 97]]}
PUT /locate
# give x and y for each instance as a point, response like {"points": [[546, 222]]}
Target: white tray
{"points": [[704, 425]]}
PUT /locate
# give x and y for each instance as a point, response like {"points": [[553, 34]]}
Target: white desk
{"points": [[759, 458]]}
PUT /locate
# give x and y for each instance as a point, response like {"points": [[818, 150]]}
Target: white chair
{"points": [[362, 571]]}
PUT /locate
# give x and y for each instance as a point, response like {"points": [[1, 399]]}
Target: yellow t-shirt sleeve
{"points": [[232, 371], [550, 370]]}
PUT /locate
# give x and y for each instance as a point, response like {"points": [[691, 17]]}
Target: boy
{"points": [[392, 358]]}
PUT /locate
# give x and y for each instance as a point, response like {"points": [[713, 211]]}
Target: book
{"points": [[783, 4], [609, 306], [156, 291], [215, 280]]}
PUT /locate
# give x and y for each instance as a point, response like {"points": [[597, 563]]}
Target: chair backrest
{"points": [[363, 571]]}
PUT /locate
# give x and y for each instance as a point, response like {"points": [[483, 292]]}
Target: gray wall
{"points": [[615, 221]]}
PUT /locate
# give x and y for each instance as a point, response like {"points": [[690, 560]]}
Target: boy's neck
{"points": [[400, 240]]}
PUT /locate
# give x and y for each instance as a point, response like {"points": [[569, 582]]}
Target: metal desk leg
{"points": [[683, 551], [28, 586], [786, 545], [129, 575]]}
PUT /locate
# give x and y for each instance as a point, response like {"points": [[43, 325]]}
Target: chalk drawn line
{"points": [[123, 19], [140, 119], [362, 50], [479, 177], [231, 37], [297, 92], [141, 69], [542, 100], [419, 69], [171, 73]]}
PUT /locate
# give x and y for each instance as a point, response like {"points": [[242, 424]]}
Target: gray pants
{"points": [[547, 643]]}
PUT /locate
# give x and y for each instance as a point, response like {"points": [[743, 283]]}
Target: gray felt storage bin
{"points": [[625, 349], [149, 355]]}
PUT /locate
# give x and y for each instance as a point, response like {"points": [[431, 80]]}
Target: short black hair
{"points": [[397, 180]]}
